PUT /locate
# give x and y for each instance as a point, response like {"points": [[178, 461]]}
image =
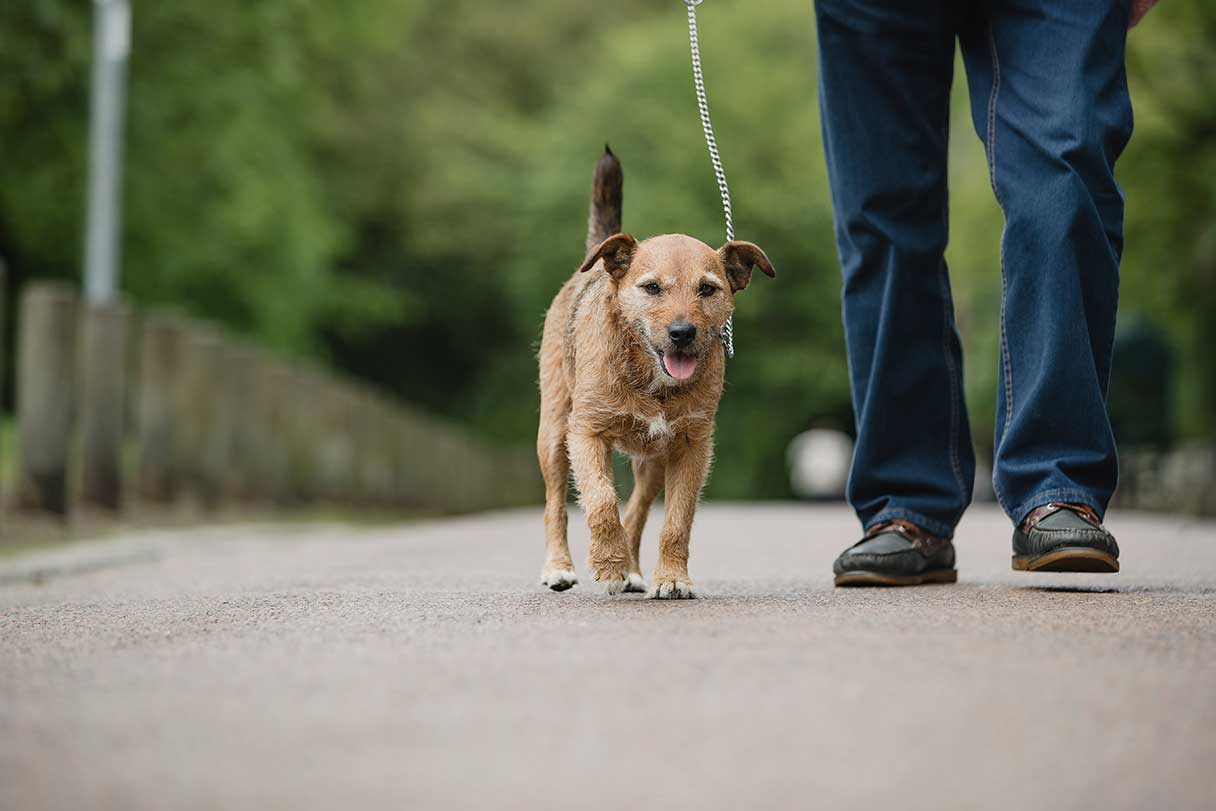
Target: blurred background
{"points": [[395, 189]]}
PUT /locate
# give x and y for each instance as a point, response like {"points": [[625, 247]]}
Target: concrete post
{"points": [[159, 368], [45, 387], [103, 391]]}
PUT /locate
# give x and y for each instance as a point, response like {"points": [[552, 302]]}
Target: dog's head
{"points": [[677, 294]]}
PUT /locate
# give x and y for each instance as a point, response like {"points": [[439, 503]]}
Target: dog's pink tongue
{"points": [[680, 367]]}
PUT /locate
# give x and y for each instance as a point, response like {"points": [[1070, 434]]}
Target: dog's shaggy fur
{"points": [[632, 360]]}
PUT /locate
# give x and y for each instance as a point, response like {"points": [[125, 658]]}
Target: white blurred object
{"points": [[983, 483], [819, 461]]}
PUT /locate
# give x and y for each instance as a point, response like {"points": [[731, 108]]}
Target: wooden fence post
{"points": [[335, 455], [103, 391], [203, 414], [298, 433], [248, 440], [3, 280], [160, 473], [46, 372], [274, 403]]}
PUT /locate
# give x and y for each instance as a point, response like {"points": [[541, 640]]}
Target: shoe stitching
{"points": [[1059, 494], [937, 528]]}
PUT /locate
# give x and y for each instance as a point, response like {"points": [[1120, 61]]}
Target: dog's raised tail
{"points": [[605, 217]]}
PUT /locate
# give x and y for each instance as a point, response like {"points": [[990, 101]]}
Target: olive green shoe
{"points": [[1064, 538], [896, 553]]}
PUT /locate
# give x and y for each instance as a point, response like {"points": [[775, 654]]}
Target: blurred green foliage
{"points": [[398, 188]]}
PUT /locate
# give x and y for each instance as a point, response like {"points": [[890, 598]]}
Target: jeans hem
{"points": [[926, 523], [1060, 494]]}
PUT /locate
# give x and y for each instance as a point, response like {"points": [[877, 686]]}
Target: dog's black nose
{"points": [[682, 333]]}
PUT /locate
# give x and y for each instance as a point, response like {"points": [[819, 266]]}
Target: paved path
{"points": [[421, 667]]}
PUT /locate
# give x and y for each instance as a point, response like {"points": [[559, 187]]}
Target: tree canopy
{"points": [[399, 188]]}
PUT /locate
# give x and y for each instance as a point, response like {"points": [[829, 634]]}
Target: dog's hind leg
{"points": [[647, 482]]}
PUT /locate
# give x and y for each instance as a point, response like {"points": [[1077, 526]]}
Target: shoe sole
{"points": [[1068, 559], [864, 578]]}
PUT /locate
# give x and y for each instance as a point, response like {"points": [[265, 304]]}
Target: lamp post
{"points": [[105, 318], [111, 46]]}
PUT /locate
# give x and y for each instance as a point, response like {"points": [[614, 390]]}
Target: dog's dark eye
{"points": [[706, 290], [652, 288]]}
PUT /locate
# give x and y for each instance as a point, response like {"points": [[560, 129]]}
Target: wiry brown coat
{"points": [[605, 385]]}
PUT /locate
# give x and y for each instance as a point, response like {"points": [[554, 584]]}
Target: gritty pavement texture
{"points": [[421, 666]]}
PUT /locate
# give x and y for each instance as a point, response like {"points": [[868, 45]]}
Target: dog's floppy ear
{"points": [[739, 258], [616, 251]]}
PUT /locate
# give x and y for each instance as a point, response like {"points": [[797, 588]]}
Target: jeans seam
{"points": [[952, 372], [1006, 362], [921, 520], [956, 464], [1047, 496], [996, 491]]}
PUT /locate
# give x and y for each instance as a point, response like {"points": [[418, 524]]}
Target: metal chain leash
{"points": [[698, 79]]}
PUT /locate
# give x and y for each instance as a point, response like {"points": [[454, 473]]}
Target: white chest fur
{"points": [[658, 429], [646, 434]]}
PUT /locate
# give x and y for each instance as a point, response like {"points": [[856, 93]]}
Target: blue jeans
{"points": [[1049, 100]]}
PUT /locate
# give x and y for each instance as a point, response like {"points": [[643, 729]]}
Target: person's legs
{"points": [[885, 68], [1049, 99]]}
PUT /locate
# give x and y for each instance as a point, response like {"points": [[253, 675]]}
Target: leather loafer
{"points": [[1064, 538], [896, 553]]}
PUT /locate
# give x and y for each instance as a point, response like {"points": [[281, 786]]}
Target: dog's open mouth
{"points": [[678, 365]]}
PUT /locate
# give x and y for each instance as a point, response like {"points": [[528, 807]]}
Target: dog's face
{"points": [[677, 293]]}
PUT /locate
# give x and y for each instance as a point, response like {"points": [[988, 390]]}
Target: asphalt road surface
{"points": [[421, 666]]}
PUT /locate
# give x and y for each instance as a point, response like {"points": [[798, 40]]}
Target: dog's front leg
{"points": [[648, 475], [687, 465], [608, 557]]}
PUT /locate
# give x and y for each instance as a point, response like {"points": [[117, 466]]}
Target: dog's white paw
{"points": [[635, 584], [671, 590], [612, 576], [614, 585], [558, 579]]}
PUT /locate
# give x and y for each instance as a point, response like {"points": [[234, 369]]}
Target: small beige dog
{"points": [[632, 359]]}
